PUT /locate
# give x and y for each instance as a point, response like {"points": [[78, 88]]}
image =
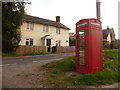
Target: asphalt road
{"points": [[30, 59], [25, 65]]}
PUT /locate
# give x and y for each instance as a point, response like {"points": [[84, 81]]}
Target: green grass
{"points": [[13, 54], [112, 53], [107, 76], [55, 72], [67, 64]]}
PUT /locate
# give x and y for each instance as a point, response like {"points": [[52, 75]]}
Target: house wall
{"points": [[109, 38], [38, 33]]}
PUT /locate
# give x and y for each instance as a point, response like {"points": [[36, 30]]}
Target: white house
{"points": [[43, 32]]}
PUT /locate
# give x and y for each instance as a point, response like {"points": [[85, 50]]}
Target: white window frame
{"points": [[58, 30], [29, 41], [45, 28], [58, 43], [30, 26]]}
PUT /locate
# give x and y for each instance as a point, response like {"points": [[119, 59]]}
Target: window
{"points": [[29, 41], [45, 28], [58, 31], [30, 26], [58, 43], [82, 47]]}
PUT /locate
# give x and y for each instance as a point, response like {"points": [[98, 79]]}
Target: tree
{"points": [[71, 41], [12, 17]]}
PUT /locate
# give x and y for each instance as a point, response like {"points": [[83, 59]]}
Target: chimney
{"points": [[108, 28], [58, 19], [98, 9]]}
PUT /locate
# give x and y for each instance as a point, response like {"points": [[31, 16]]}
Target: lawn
{"points": [[55, 72]]}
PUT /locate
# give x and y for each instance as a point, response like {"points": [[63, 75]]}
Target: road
{"points": [[30, 59], [16, 71], [26, 72]]}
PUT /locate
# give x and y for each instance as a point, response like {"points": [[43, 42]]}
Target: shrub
{"points": [[106, 44], [115, 44], [71, 41]]}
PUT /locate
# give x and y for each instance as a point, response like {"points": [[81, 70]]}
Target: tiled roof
{"points": [[105, 34], [107, 31], [34, 19]]}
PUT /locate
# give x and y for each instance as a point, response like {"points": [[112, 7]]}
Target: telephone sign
{"points": [[88, 46]]}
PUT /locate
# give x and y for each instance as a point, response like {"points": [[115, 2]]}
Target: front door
{"points": [[48, 43]]}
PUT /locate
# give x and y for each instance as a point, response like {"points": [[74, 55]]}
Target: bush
{"points": [[71, 41], [115, 44], [106, 44]]}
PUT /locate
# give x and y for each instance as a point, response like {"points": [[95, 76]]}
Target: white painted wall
{"points": [[38, 33]]}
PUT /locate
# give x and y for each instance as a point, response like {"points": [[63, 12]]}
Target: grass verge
{"points": [[13, 54], [56, 72]]}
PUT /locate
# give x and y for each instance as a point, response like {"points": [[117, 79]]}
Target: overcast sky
{"points": [[72, 11]]}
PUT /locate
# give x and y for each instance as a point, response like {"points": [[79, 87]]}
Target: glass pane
{"points": [[81, 32], [31, 42], [82, 47], [82, 40], [81, 35], [27, 43], [82, 61], [82, 55], [31, 26], [46, 28], [27, 25]]}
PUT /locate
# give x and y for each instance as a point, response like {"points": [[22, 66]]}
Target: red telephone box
{"points": [[88, 46]]}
